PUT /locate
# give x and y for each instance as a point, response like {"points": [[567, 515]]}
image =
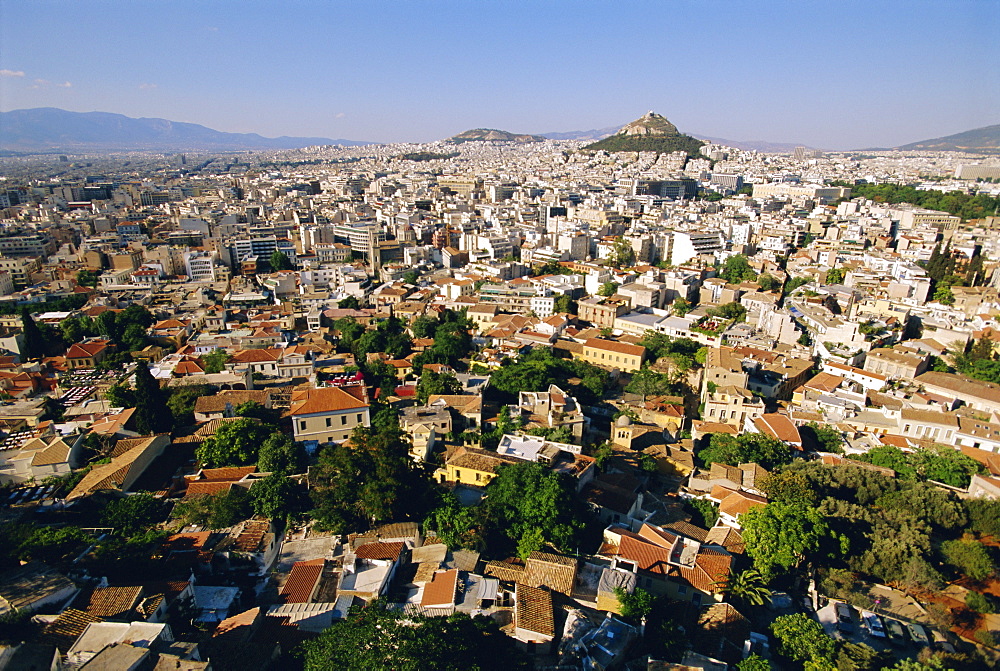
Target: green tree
{"points": [[280, 454], [647, 382], [432, 383], [280, 261], [780, 535], [746, 448], [35, 345], [49, 544], [835, 276], [235, 443], [944, 295], [215, 361], [979, 603], [216, 511], [349, 303], [607, 289], [983, 515], [457, 526], [681, 306], [970, 557], [791, 487], [823, 438], [802, 639], [528, 504], [634, 606], [753, 663], [768, 283], [181, 402], [747, 586], [707, 513], [151, 412], [377, 637], [276, 496], [564, 303], [120, 396], [370, 478], [736, 269], [130, 515], [622, 255], [411, 277], [87, 278]]}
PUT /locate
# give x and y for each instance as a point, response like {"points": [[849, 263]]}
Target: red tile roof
{"points": [[302, 581], [379, 550], [441, 590], [325, 399]]}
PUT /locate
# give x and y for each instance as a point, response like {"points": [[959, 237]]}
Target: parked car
{"points": [[896, 634], [845, 620], [873, 623], [918, 635], [940, 642]]}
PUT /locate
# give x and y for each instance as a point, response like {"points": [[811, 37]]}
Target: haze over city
{"points": [[828, 75]]}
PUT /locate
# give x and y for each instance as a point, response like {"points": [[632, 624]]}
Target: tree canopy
{"points": [[375, 637], [781, 535], [235, 443], [745, 448], [737, 269], [368, 479]]}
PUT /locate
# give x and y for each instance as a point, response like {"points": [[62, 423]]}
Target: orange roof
{"points": [[617, 347], [302, 581], [254, 356], [225, 473], [325, 399], [441, 590], [87, 349], [188, 368], [207, 489], [780, 427], [379, 550]]}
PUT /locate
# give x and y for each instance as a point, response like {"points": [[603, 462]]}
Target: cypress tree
{"points": [[151, 412], [34, 341]]}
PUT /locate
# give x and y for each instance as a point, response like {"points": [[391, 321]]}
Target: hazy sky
{"points": [[837, 74]]}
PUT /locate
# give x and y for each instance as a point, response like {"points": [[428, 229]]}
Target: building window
{"points": [[329, 421], [682, 589], [343, 420], [302, 426], [359, 419]]}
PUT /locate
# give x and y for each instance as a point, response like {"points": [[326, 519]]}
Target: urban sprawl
{"points": [[500, 404]]}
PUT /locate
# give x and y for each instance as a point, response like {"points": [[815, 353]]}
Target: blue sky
{"points": [[828, 74]]}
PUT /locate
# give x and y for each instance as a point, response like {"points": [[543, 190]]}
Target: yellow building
{"points": [[328, 414], [473, 466], [611, 354]]}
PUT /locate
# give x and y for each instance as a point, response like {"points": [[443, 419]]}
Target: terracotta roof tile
{"points": [[379, 550], [302, 581], [442, 590], [533, 610]]}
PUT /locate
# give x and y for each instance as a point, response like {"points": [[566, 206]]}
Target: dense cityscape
{"points": [[500, 401]]}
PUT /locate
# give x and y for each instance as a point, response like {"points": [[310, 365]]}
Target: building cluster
{"points": [[808, 308]]}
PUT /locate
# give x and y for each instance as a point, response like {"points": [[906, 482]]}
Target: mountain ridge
{"points": [[48, 129], [493, 135], [983, 140]]}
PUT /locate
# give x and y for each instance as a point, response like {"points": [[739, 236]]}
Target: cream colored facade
{"points": [[610, 354], [333, 425]]}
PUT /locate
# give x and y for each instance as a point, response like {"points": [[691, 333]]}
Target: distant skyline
{"points": [[834, 75]]}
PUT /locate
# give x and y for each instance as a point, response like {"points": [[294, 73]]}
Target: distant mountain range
{"points": [[979, 140], [492, 135], [48, 129]]}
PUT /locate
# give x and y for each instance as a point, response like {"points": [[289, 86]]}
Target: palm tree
{"points": [[748, 586]]}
